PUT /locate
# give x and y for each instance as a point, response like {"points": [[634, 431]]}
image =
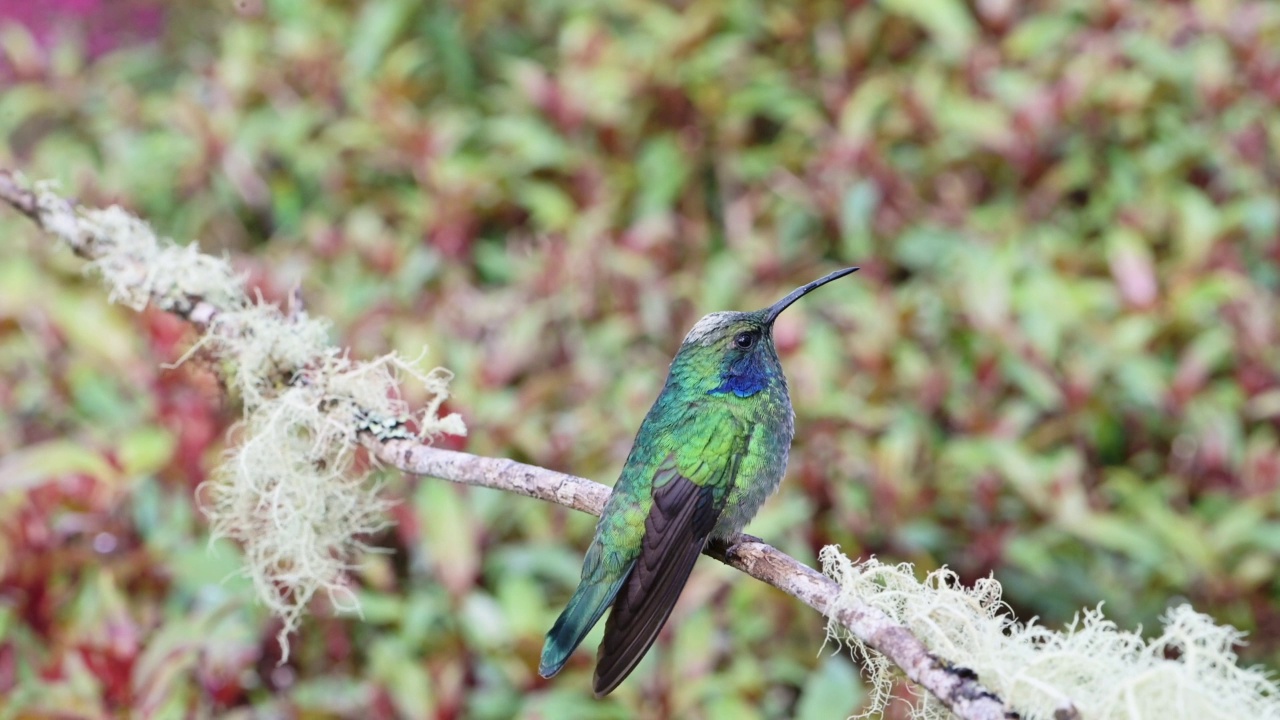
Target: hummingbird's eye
{"points": [[745, 340]]}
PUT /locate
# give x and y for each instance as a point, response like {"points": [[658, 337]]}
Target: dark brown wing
{"points": [[676, 530]]}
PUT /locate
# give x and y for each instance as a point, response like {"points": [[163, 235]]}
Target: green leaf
{"points": [[857, 212], [376, 27], [23, 470], [948, 21], [552, 208], [662, 170], [833, 690], [146, 450]]}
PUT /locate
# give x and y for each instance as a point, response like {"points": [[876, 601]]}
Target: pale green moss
{"points": [[1188, 672], [287, 489]]}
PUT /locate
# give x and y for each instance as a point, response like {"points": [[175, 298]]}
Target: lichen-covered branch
{"points": [[288, 490]]}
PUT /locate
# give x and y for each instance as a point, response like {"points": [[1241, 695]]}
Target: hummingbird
{"points": [[710, 451]]}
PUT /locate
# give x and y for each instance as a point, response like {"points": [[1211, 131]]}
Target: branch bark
{"points": [[956, 687]]}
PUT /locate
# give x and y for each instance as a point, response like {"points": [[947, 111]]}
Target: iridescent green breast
{"points": [[764, 462]]}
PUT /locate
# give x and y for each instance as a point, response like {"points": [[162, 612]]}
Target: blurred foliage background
{"points": [[1058, 365]]}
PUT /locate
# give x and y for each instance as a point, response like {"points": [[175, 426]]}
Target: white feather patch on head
{"points": [[710, 327]]}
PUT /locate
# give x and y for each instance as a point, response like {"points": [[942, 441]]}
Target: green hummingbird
{"points": [[710, 451]]}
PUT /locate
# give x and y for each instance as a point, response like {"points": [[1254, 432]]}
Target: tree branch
{"points": [[957, 687]]}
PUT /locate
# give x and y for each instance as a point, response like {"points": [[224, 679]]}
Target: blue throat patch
{"points": [[744, 377]]}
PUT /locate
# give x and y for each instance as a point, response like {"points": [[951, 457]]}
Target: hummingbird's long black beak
{"points": [[776, 309]]}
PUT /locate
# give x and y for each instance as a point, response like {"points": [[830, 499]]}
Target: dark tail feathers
{"points": [[586, 606]]}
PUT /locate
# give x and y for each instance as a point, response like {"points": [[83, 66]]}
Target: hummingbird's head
{"points": [[735, 349]]}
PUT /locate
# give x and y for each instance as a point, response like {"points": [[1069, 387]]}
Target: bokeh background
{"points": [[1058, 365]]}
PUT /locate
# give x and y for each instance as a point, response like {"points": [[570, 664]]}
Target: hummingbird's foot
{"points": [[723, 549]]}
